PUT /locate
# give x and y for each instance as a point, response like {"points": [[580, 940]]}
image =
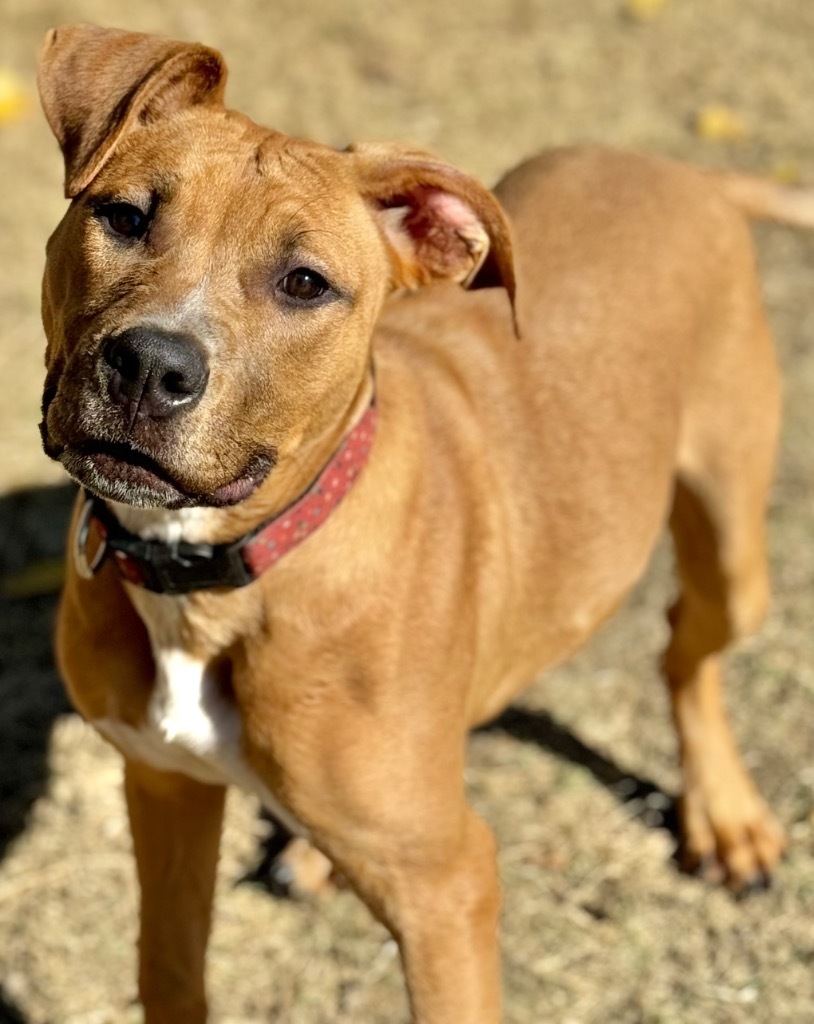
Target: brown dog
{"points": [[237, 342]]}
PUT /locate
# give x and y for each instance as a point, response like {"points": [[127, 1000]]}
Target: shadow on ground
{"points": [[32, 532], [9, 1014], [644, 800]]}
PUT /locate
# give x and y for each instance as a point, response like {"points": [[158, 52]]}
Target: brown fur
{"points": [[514, 494]]}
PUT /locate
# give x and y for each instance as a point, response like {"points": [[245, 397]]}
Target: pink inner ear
{"points": [[448, 237], [451, 210], [433, 213]]}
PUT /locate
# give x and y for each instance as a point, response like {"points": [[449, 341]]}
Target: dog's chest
{"points": [[192, 723], [190, 726]]}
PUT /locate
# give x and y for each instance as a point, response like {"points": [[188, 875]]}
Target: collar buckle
{"points": [[180, 567], [87, 568]]}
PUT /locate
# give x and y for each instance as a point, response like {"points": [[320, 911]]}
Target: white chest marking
{"points": [[191, 725], [192, 728], [193, 525]]}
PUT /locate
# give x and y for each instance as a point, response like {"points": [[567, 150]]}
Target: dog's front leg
{"points": [[437, 891], [176, 824], [447, 927]]}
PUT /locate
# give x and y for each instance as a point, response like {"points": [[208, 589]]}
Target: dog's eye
{"points": [[125, 219], [304, 284]]}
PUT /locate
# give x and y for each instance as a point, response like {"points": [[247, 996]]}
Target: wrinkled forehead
{"points": [[225, 166]]}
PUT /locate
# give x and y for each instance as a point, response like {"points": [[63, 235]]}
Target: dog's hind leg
{"points": [[290, 866], [717, 523]]}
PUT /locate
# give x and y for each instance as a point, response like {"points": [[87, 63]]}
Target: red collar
{"points": [[180, 568]]}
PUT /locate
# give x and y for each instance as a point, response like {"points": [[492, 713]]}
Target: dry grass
{"points": [[597, 925]]}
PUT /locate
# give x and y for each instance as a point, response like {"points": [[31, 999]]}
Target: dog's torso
{"points": [[535, 503]]}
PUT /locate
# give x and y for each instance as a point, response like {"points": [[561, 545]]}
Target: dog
{"points": [[363, 448]]}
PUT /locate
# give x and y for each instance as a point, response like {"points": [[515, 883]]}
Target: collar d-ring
{"points": [[87, 569]]}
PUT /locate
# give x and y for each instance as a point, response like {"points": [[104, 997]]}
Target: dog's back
{"points": [[643, 355]]}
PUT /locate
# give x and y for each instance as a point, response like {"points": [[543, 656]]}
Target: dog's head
{"points": [[210, 295]]}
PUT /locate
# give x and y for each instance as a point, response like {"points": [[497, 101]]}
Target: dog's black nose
{"points": [[154, 373]]}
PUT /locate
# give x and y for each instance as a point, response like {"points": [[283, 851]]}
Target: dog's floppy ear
{"points": [[439, 223], [96, 84]]}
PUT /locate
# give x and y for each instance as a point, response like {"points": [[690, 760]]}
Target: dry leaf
{"points": [[718, 123], [14, 98], [644, 10], [786, 172], [35, 580]]}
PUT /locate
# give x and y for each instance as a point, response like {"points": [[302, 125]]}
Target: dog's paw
{"points": [[297, 871], [301, 871], [733, 841]]}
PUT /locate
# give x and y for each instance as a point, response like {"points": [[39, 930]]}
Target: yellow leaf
{"points": [[36, 580], [718, 123], [786, 172], [644, 10], [14, 98]]}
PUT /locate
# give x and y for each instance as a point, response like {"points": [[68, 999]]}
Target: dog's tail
{"points": [[762, 199]]}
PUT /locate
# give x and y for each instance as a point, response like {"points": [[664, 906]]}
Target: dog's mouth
{"points": [[117, 471]]}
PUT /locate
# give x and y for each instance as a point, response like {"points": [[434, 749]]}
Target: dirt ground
{"points": [[598, 926]]}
